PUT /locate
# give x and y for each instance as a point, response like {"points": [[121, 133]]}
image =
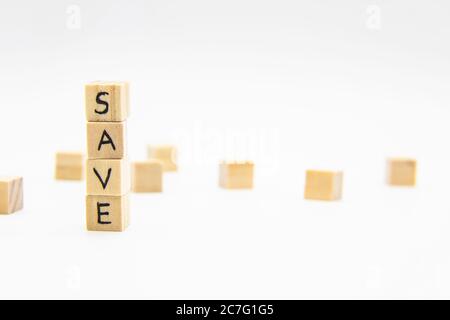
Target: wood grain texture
{"points": [[164, 153], [107, 213], [107, 177], [401, 172], [107, 101], [69, 166], [147, 176], [11, 194], [236, 175], [106, 140], [323, 185]]}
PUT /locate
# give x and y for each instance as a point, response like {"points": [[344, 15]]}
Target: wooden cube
{"points": [[401, 172], [323, 185], [69, 166], [166, 154], [236, 175], [106, 140], [109, 177], [107, 213], [11, 194], [146, 176], [107, 101]]}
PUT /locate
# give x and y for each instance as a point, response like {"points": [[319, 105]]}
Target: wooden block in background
{"points": [[107, 213], [107, 101], [146, 176], [109, 177], [166, 154], [401, 172], [69, 166], [11, 194], [236, 175], [106, 140], [323, 185]]}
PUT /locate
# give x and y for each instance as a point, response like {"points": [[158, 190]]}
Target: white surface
{"points": [[291, 85]]}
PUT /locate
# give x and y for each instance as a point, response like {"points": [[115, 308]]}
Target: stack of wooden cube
{"points": [[107, 169]]}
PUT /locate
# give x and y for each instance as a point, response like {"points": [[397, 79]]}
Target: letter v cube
{"points": [[109, 177]]}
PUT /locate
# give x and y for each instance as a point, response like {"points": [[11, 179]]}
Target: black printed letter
{"points": [[106, 139], [104, 183], [101, 213], [105, 103]]}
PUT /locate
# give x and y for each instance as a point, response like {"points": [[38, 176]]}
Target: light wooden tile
{"points": [[236, 175], [147, 176], [69, 166], [107, 213], [166, 154], [106, 140], [107, 177], [11, 194], [323, 185], [401, 172], [107, 101]]}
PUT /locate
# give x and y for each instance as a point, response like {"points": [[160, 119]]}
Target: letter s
{"points": [[99, 101]]}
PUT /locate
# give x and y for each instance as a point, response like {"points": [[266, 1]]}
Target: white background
{"points": [[291, 85]]}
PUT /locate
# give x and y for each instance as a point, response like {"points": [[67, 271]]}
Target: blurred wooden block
{"points": [[166, 154], [401, 172], [109, 177], [146, 176], [323, 185], [236, 175], [107, 101], [69, 166], [11, 194], [106, 140], [107, 213]]}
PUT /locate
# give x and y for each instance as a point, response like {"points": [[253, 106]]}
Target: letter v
{"points": [[104, 183]]}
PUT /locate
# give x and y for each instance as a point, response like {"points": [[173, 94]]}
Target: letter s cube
{"points": [[107, 101]]}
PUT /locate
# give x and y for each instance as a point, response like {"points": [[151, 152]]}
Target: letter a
{"points": [[106, 139]]}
